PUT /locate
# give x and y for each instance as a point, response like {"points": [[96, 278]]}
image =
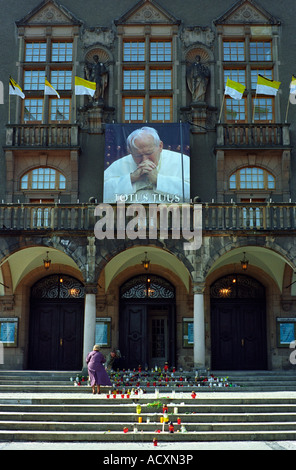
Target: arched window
{"points": [[43, 178], [252, 178], [147, 286]]}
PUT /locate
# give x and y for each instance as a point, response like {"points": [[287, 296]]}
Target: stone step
{"points": [[120, 417], [109, 436], [121, 408], [145, 427]]}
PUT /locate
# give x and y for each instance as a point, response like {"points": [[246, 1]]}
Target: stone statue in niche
{"points": [[197, 76], [97, 72]]}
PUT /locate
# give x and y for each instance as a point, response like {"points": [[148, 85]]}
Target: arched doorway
{"points": [[147, 321], [238, 323], [56, 324]]}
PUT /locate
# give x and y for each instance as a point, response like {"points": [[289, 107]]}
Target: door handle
{"points": [[61, 341], [242, 342]]}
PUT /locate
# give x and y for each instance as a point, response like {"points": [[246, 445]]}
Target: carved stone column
{"points": [[89, 321], [199, 325]]}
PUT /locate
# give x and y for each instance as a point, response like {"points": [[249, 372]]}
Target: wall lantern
{"points": [[244, 262], [46, 261]]}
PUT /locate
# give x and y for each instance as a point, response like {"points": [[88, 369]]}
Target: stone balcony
{"points": [[247, 217], [253, 135], [42, 135]]}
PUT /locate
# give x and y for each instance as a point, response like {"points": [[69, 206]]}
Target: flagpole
{"points": [[286, 119], [8, 107], [221, 110], [253, 119]]}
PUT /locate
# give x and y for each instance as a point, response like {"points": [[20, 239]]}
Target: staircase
{"points": [[47, 406]]}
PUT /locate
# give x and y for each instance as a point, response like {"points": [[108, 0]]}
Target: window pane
{"points": [[43, 178], [134, 51], [33, 109], [61, 79], [237, 75], [260, 51], [234, 51], [161, 109], [60, 109], [61, 51], [35, 52], [133, 79], [160, 51], [252, 178], [133, 109], [235, 110], [263, 109], [160, 79], [34, 79]]}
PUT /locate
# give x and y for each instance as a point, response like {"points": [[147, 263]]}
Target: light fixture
{"points": [[244, 262], [146, 262], [225, 292], [46, 261]]}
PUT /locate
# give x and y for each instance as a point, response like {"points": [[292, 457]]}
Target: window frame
{"points": [[147, 88], [29, 174], [236, 175]]}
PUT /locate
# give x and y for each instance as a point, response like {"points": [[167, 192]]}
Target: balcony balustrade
{"points": [[215, 217], [253, 135], [42, 135]]}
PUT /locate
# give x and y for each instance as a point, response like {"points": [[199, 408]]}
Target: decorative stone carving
{"points": [[93, 36], [197, 34], [246, 14]]}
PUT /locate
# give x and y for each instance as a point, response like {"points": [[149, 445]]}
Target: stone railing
{"points": [[215, 217], [42, 135], [253, 135]]}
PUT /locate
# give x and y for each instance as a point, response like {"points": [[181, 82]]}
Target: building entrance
{"points": [[56, 324], [147, 322], [238, 324]]}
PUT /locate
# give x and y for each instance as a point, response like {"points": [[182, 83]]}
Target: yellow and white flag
{"points": [[234, 89], [49, 89], [15, 89], [84, 87], [265, 86], [293, 86]]}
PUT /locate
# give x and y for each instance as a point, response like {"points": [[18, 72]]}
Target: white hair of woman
{"points": [[138, 133]]}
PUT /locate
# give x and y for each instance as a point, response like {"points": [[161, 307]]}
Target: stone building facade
{"points": [[154, 62]]}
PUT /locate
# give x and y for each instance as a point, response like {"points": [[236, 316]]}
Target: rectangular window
{"points": [[60, 109], [160, 79], [33, 110], [235, 110], [251, 178], [260, 51], [237, 75], [161, 109], [34, 79], [234, 51], [160, 51], [134, 79], [35, 52], [61, 52], [267, 73], [43, 178], [133, 110], [134, 51], [263, 109], [61, 79]]}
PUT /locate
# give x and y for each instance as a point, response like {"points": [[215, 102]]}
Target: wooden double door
{"points": [[56, 335], [238, 334], [147, 334]]}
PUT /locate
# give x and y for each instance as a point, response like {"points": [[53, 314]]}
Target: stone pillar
{"points": [[89, 321], [199, 326]]}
